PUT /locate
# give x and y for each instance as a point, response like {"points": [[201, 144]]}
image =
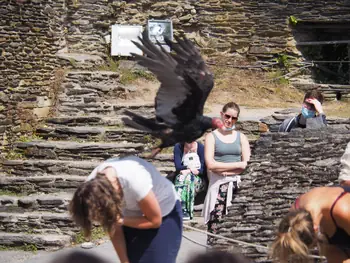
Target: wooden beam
{"points": [[315, 43], [301, 25]]}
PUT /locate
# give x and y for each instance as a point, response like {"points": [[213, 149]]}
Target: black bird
{"points": [[185, 85]]}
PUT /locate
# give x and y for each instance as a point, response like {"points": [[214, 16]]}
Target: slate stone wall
{"points": [[283, 166], [30, 34], [33, 31], [257, 29]]}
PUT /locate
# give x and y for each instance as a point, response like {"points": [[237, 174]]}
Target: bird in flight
{"points": [[185, 83]]}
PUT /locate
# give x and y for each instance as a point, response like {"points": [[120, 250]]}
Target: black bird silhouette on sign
{"points": [[185, 85]]}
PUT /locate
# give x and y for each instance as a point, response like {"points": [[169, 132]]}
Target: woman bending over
{"points": [[136, 205], [319, 217]]}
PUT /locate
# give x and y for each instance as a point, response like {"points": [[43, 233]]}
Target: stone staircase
{"points": [[86, 128]]}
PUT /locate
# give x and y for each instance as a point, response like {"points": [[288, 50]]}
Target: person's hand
{"points": [[184, 172], [317, 105], [120, 221], [194, 171], [244, 164]]}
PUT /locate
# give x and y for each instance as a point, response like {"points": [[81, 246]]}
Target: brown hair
{"points": [[314, 94], [219, 257], [231, 105], [96, 201], [296, 234]]}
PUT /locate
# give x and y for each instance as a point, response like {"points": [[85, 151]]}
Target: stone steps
{"points": [[37, 223], [34, 241], [66, 150], [92, 120], [35, 184], [53, 202], [101, 108], [37, 187], [48, 183], [164, 162], [97, 133]]}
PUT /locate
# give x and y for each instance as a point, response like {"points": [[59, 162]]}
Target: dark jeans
{"points": [[159, 245]]}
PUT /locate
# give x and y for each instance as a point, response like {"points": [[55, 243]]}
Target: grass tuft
{"points": [[96, 234]]}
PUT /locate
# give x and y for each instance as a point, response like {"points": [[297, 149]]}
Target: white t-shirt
{"points": [[137, 177]]}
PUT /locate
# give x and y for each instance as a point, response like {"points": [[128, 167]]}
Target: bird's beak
{"points": [[217, 123]]}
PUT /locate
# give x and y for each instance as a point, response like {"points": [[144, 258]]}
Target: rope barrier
{"points": [[196, 242], [231, 240]]}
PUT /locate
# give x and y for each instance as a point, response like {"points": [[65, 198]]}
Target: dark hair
{"points": [[231, 105], [314, 94], [219, 257], [295, 236], [78, 257], [96, 201]]}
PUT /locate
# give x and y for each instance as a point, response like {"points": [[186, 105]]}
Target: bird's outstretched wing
{"points": [[185, 79]]}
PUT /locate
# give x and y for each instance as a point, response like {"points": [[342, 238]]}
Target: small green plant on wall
{"points": [[283, 61], [293, 20], [75, 3]]}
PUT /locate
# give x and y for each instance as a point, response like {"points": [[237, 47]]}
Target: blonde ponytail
{"points": [[295, 236]]}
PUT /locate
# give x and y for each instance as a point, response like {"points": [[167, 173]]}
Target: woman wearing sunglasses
{"points": [[226, 152]]}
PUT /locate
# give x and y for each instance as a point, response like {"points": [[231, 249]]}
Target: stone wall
{"points": [[258, 29], [283, 166], [36, 33], [30, 34]]}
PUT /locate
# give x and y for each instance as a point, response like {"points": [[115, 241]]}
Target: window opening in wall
{"points": [[327, 45], [338, 95]]}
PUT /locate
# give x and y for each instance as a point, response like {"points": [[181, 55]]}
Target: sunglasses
{"points": [[228, 117]]}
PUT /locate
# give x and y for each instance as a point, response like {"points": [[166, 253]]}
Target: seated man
{"points": [[311, 116], [344, 175]]}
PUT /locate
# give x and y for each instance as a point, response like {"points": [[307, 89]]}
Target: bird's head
{"points": [[217, 123]]}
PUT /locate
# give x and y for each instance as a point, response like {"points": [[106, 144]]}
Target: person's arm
{"points": [[287, 125], [318, 108], [178, 158], [218, 167], [324, 120], [341, 214], [152, 216], [246, 153], [200, 152], [118, 241]]}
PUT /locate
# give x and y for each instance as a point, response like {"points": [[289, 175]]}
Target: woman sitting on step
{"points": [[190, 171], [319, 217], [136, 205]]}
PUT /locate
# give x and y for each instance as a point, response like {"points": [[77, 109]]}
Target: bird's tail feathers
{"points": [[135, 125], [142, 123]]}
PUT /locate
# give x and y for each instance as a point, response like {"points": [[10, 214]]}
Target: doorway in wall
{"points": [[327, 46]]}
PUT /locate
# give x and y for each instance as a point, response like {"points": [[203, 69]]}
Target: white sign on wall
{"points": [[158, 30], [121, 40]]}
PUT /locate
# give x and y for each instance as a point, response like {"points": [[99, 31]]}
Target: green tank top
{"points": [[228, 152]]}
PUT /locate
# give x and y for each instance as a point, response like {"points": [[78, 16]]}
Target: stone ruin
{"points": [[54, 89]]}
